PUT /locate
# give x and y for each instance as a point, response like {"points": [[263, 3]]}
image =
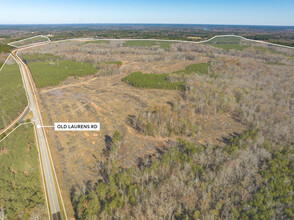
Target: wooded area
{"points": [[13, 99], [21, 194]]}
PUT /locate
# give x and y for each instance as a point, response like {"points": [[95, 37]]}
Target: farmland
{"points": [[21, 193], [12, 94]]}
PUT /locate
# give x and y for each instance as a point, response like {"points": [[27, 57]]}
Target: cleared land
{"points": [[161, 153], [12, 94], [21, 193]]}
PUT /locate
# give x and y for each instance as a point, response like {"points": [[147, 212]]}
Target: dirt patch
{"points": [[109, 101]]}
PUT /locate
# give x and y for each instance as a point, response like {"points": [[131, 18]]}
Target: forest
{"points": [[21, 194], [13, 99]]}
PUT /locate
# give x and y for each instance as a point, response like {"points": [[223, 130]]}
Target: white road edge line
{"points": [[12, 43], [15, 129], [5, 62], [48, 126]]}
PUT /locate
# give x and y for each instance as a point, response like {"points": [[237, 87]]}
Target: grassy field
{"points": [[154, 81], [226, 40], [199, 68], [230, 46], [36, 57], [146, 43], [30, 41], [227, 43], [49, 70], [12, 94], [119, 63], [21, 190]]}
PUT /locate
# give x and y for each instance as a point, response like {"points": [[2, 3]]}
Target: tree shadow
{"points": [[227, 139]]}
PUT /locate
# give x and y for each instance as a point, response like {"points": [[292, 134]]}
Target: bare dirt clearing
{"points": [[109, 101]]}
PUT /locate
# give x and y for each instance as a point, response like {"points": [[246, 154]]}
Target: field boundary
{"points": [[12, 43], [180, 41], [160, 40], [5, 61], [15, 129]]}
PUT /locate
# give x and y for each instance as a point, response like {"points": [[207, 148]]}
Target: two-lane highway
{"points": [[52, 191]]}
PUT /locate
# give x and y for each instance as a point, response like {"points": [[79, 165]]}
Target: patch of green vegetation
{"points": [[199, 68], [271, 51], [4, 48], [227, 43], [119, 63], [275, 63], [165, 44], [20, 191], [140, 43], [226, 40], [153, 81], [37, 57], [230, 46], [276, 192], [12, 94], [52, 73], [148, 43], [97, 42]]}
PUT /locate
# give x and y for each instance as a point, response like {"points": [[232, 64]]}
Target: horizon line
{"points": [[94, 23]]}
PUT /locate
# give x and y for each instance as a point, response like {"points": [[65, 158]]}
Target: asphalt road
{"points": [[50, 181]]}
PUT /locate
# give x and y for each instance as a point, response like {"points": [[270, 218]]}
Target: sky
{"points": [[239, 12]]}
